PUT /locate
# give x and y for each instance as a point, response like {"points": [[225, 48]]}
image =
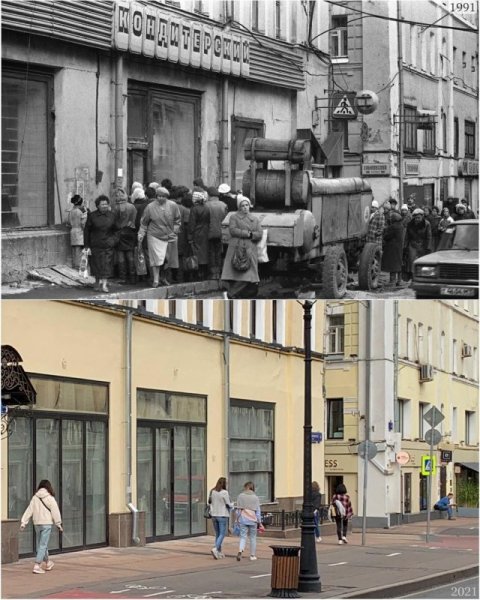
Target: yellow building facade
{"points": [[142, 406], [387, 364]]}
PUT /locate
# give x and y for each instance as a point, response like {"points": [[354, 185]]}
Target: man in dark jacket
{"points": [[218, 211], [418, 240], [393, 240]]}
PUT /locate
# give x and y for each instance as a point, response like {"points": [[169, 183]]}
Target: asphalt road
{"points": [[466, 588]]}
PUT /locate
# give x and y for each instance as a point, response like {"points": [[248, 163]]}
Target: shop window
{"points": [[241, 130], [27, 148], [171, 463], [335, 419], [163, 135], [339, 37], [65, 441], [251, 447], [469, 139], [336, 334], [410, 129]]}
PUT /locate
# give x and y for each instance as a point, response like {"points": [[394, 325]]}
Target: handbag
{"points": [[206, 512], [190, 263], [240, 257], [140, 264], [83, 269]]}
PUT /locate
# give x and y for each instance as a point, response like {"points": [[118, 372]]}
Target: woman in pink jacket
{"points": [[45, 512]]}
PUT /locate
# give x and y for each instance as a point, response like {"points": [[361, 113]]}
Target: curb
{"points": [[178, 291], [415, 585]]}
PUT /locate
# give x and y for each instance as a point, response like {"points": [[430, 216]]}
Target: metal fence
{"points": [[286, 519]]}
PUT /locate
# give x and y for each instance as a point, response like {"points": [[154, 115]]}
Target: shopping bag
{"points": [[140, 263], [83, 268], [236, 528], [240, 257], [190, 263], [262, 248], [206, 512]]}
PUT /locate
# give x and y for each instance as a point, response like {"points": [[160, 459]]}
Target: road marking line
{"points": [[159, 593], [433, 548], [336, 564], [394, 554], [257, 576]]}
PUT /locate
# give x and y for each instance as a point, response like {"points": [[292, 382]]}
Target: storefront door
{"points": [[171, 479], [407, 493]]}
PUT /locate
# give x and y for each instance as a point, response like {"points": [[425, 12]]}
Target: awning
{"points": [[473, 466], [332, 148]]}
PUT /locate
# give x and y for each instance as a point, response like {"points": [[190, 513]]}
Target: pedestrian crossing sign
{"points": [[344, 109], [429, 465]]}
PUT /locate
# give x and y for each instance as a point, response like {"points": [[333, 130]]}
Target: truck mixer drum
{"points": [[270, 188]]}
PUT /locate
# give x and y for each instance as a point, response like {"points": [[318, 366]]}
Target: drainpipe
{"points": [[400, 107], [118, 155], [226, 382], [395, 384], [224, 131], [128, 427], [368, 356]]}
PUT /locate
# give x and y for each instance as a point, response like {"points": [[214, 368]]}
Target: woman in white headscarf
{"points": [[245, 233], [160, 222]]}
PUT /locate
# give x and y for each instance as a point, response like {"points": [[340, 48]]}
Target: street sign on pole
{"points": [[433, 437], [433, 416], [345, 107], [367, 447], [429, 465]]}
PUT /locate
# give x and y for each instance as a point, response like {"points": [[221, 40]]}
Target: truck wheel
{"points": [[369, 267], [335, 272]]}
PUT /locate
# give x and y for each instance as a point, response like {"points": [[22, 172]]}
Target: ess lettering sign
{"points": [[157, 34]]}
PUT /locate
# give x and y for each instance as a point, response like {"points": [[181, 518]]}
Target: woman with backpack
{"points": [[342, 512], [45, 512]]}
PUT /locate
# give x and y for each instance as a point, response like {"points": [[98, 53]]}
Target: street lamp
{"points": [[309, 579]]}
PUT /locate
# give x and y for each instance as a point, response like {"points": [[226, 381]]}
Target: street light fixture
{"points": [[309, 579]]}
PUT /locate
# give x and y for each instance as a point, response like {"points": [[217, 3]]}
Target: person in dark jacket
{"points": [[460, 212], [179, 193], [418, 239], [469, 214], [342, 520], [198, 226], [393, 240], [317, 507], [125, 214], [218, 211], [101, 237], [434, 219]]}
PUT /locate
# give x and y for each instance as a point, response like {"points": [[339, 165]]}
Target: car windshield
{"points": [[460, 237]]}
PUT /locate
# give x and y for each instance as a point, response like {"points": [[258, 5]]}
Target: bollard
{"points": [[285, 571]]}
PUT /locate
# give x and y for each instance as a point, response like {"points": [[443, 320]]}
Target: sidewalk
{"points": [[392, 563]]}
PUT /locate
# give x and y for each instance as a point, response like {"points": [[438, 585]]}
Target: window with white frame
{"points": [[278, 321], [442, 351], [420, 344], [422, 424], [339, 37], [430, 360], [400, 416], [454, 424], [469, 427], [410, 340], [336, 334], [335, 419], [454, 357]]}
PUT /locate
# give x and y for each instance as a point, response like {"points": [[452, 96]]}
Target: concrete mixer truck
{"points": [[312, 222]]}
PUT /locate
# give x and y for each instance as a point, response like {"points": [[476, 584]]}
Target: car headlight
{"points": [[426, 270]]}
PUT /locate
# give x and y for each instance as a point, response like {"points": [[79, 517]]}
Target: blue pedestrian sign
{"points": [[429, 465], [316, 437]]}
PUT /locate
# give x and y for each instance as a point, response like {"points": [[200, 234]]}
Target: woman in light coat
{"points": [[220, 505], [249, 518], [76, 221], [45, 512], [244, 229]]}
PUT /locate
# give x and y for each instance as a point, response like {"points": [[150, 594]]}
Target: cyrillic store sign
{"points": [[158, 34]]}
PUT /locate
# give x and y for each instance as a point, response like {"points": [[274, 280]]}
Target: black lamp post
{"points": [[309, 579]]}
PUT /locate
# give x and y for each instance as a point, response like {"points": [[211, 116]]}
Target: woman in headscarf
{"points": [[76, 220], [160, 223], [198, 227], [245, 231], [101, 237], [418, 239]]}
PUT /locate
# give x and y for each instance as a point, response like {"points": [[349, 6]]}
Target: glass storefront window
{"points": [[72, 482], [95, 493], [25, 149], [251, 447], [67, 395], [164, 406]]}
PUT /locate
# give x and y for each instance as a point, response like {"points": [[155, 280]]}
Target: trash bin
{"points": [[285, 571]]}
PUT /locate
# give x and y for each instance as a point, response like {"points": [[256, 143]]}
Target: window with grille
{"points": [[410, 129]]}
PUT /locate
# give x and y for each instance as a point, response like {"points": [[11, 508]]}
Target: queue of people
{"points": [[409, 233], [175, 230]]}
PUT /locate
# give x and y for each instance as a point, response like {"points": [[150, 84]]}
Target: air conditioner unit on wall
{"points": [[466, 351], [426, 373]]}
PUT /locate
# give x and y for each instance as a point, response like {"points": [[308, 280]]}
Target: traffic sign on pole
{"points": [[429, 465], [433, 437], [433, 416]]}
